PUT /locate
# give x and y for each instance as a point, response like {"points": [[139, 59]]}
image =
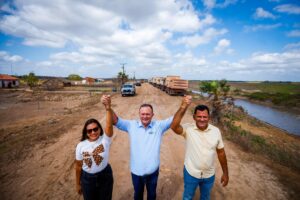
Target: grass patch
{"points": [[232, 116], [259, 145], [277, 98], [268, 87]]}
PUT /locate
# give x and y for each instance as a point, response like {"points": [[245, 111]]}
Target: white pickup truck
{"points": [[128, 89]]}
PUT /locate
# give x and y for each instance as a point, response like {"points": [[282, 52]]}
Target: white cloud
{"points": [[93, 37], [226, 3], [103, 33], [261, 27], [261, 13], [5, 56], [223, 46], [74, 57], [265, 62], [196, 40], [45, 63], [33, 36], [288, 8], [257, 67], [43, 23], [188, 59], [292, 46], [294, 33], [209, 4], [97, 27], [207, 21]]}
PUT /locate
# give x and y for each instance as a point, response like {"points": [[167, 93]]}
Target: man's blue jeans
{"points": [[191, 183], [139, 183]]}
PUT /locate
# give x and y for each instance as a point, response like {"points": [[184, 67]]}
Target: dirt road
{"points": [[47, 171]]}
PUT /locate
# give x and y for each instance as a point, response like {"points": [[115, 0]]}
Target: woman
{"points": [[94, 178]]}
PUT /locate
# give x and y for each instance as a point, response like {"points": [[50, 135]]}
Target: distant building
{"points": [[7, 81], [55, 84], [88, 81], [76, 82], [98, 80]]}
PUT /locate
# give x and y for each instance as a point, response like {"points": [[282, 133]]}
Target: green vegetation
{"points": [[259, 145], [123, 77], [277, 98], [279, 93], [31, 79], [289, 88], [217, 89], [74, 77], [268, 87]]}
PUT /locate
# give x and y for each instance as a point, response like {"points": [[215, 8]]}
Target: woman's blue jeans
{"points": [[191, 183], [97, 186]]}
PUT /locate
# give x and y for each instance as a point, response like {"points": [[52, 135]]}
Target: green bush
{"points": [[259, 96], [74, 77], [31, 79], [276, 98], [256, 139]]}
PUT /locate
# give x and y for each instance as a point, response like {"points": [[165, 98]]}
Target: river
{"points": [[284, 120]]}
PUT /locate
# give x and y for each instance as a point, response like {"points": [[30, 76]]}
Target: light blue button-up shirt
{"points": [[144, 143]]}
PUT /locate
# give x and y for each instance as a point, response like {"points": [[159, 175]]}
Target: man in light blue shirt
{"points": [[145, 136]]}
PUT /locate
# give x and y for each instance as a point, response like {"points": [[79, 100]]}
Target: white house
{"points": [[7, 81]]}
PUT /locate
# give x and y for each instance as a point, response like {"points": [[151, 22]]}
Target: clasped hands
{"points": [[106, 100]]}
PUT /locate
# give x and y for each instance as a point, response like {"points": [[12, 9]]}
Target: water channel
{"points": [[284, 120]]}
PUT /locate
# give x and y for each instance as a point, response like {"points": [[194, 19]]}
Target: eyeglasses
{"points": [[91, 130]]}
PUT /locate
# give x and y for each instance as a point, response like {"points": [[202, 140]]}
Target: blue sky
{"points": [[251, 40]]}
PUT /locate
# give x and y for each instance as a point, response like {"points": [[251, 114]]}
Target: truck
{"points": [[128, 89], [174, 85], [156, 81]]}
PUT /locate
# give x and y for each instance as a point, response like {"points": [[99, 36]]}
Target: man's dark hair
{"points": [[146, 105], [201, 108]]}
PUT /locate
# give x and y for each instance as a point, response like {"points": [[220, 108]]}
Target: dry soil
{"points": [[39, 133]]}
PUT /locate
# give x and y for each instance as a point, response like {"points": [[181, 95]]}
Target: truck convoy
{"points": [[173, 85]]}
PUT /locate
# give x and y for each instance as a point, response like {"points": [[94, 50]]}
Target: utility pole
{"points": [[134, 76], [123, 69]]}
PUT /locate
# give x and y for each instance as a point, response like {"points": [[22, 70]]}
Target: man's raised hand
{"points": [[186, 101]]}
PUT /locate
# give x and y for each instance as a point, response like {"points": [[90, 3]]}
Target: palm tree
{"points": [[122, 77], [219, 89]]}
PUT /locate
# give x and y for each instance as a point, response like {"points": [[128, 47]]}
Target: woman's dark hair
{"points": [[201, 108], [88, 122]]}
